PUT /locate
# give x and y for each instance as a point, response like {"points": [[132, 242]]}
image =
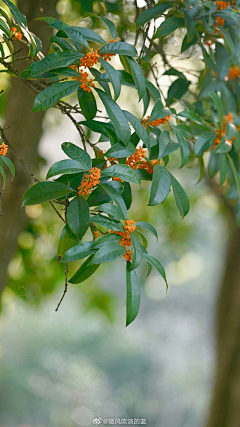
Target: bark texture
{"points": [[225, 407], [24, 133]]}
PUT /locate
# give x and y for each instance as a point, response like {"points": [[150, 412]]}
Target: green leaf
{"points": [[5, 28], [117, 198], [18, 16], [161, 184], [138, 127], [201, 169], [222, 65], [158, 111], [180, 197], [177, 89], [219, 107], [74, 35], [109, 24], [116, 116], [87, 104], [107, 222], [78, 216], [111, 237], [112, 210], [66, 167], [190, 23], [184, 148], [154, 92], [123, 172], [64, 45], [67, 240], [107, 252], [133, 294], [168, 26], [153, 12], [137, 252], [203, 143], [89, 34], [51, 62], [127, 194], [99, 195], [9, 164], [222, 168], [2, 172], [138, 76], [78, 154], [44, 192], [113, 76], [120, 48], [52, 94], [79, 251], [155, 263], [146, 226], [84, 272], [120, 151]]}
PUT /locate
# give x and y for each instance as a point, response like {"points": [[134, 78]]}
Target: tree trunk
{"points": [[24, 133], [225, 407]]}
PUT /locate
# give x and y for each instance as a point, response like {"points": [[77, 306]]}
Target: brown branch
{"points": [[32, 176]]}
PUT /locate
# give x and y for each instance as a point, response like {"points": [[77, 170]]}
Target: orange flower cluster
{"points": [[95, 234], [148, 166], [90, 181], [17, 34], [130, 225], [157, 122], [219, 21], [221, 132], [86, 84], [222, 4], [137, 161], [135, 158], [3, 149], [234, 72], [90, 59]]}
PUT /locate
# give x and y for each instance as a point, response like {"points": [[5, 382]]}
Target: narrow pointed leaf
{"points": [[113, 76], [84, 272], [108, 252], [79, 251], [120, 48], [180, 197], [52, 94], [116, 116], [78, 216], [133, 295], [155, 263], [161, 184], [148, 227], [87, 104], [44, 192], [78, 154], [123, 172]]}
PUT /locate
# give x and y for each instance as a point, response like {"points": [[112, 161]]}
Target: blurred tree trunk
{"points": [[225, 407], [24, 133]]}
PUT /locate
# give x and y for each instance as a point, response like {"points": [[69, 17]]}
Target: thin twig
{"points": [[65, 288], [34, 178]]}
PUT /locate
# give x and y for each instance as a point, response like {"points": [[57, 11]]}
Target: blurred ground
{"points": [[64, 369]]}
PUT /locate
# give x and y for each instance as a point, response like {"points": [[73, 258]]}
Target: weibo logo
{"points": [[97, 421]]}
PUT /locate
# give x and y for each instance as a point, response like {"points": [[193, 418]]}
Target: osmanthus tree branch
{"points": [[63, 106]]}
